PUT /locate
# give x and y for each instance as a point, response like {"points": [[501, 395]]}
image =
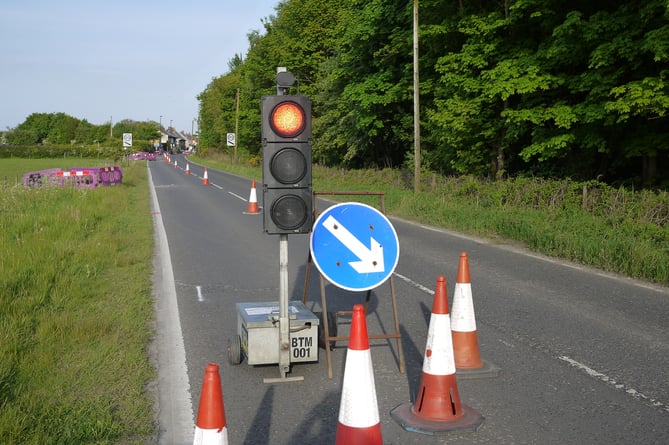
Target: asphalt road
{"points": [[583, 354]]}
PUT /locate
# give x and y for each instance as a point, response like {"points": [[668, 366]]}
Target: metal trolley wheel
{"points": [[235, 350]]}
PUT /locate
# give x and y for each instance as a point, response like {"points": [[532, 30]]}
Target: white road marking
{"points": [[237, 196], [611, 382], [414, 284]]}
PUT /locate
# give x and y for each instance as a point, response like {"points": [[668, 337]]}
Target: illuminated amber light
{"points": [[288, 119]]}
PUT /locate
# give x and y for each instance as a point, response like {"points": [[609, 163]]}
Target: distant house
{"points": [[176, 141]]}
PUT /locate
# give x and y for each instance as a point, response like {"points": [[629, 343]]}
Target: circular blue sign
{"points": [[354, 246]]}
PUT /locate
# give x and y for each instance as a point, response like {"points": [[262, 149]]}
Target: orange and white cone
{"points": [[187, 168], [211, 428], [175, 164], [463, 326], [438, 408], [252, 208], [359, 422], [205, 178]]}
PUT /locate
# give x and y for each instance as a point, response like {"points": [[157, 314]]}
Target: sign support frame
{"points": [[326, 327]]}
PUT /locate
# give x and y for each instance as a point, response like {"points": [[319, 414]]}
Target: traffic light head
{"points": [[286, 141]]}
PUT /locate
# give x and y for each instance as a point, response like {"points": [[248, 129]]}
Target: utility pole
{"points": [[236, 123], [416, 102]]}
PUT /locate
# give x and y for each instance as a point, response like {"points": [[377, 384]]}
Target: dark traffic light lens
{"points": [[288, 166], [289, 212], [287, 119]]}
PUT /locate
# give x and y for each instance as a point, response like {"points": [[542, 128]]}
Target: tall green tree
{"points": [[371, 77], [34, 129], [560, 88], [217, 111]]}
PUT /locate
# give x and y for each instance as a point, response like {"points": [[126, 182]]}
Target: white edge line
{"points": [[174, 400]]}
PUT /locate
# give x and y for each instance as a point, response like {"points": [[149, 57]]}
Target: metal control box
{"points": [[258, 329]]}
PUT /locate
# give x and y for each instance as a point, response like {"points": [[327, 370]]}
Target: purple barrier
{"points": [[110, 175], [80, 177], [40, 178]]}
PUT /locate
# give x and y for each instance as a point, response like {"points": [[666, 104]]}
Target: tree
{"points": [[372, 78], [511, 87], [552, 87]]}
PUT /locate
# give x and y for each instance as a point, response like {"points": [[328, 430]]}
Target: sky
{"points": [[119, 59]]}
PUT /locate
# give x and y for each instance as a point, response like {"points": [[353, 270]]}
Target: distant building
{"points": [[176, 141]]}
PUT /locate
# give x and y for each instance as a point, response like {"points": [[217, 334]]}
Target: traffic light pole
{"points": [[287, 196], [284, 317]]}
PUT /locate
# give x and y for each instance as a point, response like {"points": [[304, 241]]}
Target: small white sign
{"points": [[127, 139], [232, 140]]}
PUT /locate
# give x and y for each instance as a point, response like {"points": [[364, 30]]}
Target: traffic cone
{"points": [[175, 164], [468, 360], [359, 422], [211, 428], [187, 168], [252, 208], [438, 408], [205, 179]]}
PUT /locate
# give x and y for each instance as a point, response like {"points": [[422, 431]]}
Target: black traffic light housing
{"points": [[286, 145]]}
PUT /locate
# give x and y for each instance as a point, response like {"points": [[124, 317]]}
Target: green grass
{"points": [[75, 309]]}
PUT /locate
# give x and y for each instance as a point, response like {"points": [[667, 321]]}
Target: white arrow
{"points": [[371, 260]]}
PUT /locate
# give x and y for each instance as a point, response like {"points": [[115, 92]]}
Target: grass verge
{"points": [[75, 309]]}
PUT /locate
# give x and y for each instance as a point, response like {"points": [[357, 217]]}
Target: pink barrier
{"points": [[40, 178], [79, 177], [110, 175]]}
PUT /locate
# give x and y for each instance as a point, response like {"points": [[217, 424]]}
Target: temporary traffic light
{"points": [[286, 143]]}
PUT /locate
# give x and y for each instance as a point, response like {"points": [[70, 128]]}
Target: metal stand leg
{"points": [[326, 327], [400, 352]]}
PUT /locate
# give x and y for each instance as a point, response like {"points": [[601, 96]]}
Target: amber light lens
{"points": [[288, 119]]}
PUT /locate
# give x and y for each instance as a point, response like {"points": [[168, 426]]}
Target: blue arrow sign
{"points": [[354, 246]]}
